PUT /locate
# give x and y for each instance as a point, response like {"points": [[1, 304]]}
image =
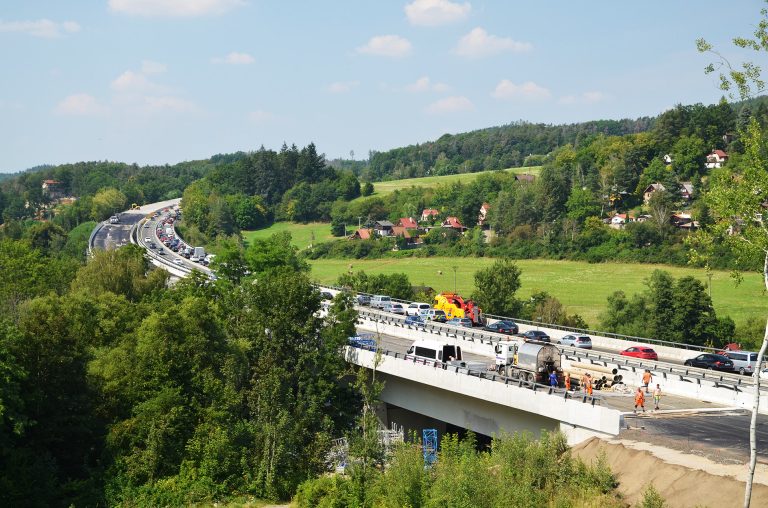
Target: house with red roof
{"points": [[361, 234], [52, 189], [716, 159], [453, 223], [408, 223], [429, 214]]}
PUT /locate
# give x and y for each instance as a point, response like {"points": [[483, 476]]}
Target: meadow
{"points": [[582, 287], [383, 188]]}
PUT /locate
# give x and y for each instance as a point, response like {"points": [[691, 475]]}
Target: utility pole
{"points": [[454, 277]]}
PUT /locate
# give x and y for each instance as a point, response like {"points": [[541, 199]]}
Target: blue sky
{"points": [[161, 81]]}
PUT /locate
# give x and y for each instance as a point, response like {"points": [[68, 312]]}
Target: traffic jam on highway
{"points": [[165, 240], [451, 309]]}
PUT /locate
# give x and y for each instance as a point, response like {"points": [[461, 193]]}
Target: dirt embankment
{"points": [[683, 480]]}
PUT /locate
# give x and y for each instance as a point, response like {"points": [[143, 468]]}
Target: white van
{"points": [[379, 301], [435, 350], [415, 308], [744, 362]]}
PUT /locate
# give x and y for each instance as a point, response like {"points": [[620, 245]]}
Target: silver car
{"points": [[394, 308], [576, 340]]}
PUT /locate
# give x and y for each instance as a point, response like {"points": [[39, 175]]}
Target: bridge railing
{"points": [[731, 381], [489, 375]]}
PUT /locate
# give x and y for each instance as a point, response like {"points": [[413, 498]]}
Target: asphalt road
{"points": [[724, 437], [112, 236]]}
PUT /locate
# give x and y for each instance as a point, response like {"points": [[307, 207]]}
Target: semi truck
{"points": [[529, 361], [198, 255]]}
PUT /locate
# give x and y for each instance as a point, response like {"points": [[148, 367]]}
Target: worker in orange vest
{"points": [[647, 379], [640, 399], [568, 381], [589, 385]]}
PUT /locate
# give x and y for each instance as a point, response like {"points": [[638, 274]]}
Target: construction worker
{"points": [[647, 379], [589, 385], [568, 381], [583, 381], [656, 397], [553, 379], [639, 399]]}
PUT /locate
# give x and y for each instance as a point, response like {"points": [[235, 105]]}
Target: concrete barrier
{"points": [[481, 404]]}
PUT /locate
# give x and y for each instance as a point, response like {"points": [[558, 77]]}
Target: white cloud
{"points": [[528, 90], [134, 82], [453, 104], [260, 116], [424, 84], [160, 104], [174, 8], [387, 45], [342, 86], [80, 104], [436, 12], [40, 28], [584, 98], [479, 43], [150, 67], [235, 58]]}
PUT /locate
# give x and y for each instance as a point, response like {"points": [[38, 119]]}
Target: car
{"points": [[710, 361], [504, 326], [641, 352], [414, 308], [745, 362], [379, 301], [326, 295], [161, 251], [146, 225], [152, 245], [147, 239], [394, 308], [460, 321], [433, 315], [178, 261], [414, 320], [538, 335], [363, 300], [576, 340]]}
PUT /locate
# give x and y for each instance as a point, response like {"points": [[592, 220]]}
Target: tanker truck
{"points": [[529, 361]]}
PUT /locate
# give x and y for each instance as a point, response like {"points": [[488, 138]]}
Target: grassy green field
{"points": [[581, 287], [302, 234], [383, 188]]}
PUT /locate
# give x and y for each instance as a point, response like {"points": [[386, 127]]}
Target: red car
{"points": [[643, 352]]}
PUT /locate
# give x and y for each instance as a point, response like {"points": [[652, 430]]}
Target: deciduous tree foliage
{"points": [[495, 288]]}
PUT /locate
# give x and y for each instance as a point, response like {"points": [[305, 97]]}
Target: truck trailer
{"points": [[529, 361]]}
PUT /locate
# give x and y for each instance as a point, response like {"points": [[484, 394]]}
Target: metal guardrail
{"points": [[570, 329], [694, 374], [489, 375]]}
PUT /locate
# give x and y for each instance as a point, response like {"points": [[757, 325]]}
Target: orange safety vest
{"points": [[639, 399]]}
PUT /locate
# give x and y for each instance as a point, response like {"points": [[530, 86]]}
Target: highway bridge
{"points": [[700, 407]]}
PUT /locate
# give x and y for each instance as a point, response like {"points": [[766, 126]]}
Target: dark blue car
{"points": [[414, 321]]}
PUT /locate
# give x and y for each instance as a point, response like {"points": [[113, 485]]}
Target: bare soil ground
{"points": [[684, 480]]}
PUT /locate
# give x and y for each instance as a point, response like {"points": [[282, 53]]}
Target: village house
{"points": [[683, 221], [667, 159], [686, 190], [620, 219], [716, 159], [383, 227], [429, 214], [482, 217], [361, 234], [52, 189], [408, 223], [453, 223], [648, 192]]}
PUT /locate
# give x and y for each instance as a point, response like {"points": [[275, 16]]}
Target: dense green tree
{"points": [[582, 204], [688, 156], [107, 202], [495, 288]]}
